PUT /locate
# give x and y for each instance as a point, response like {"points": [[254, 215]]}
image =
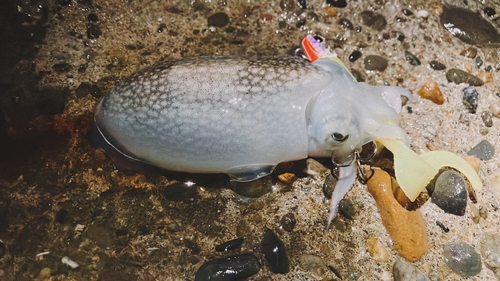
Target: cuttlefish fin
{"points": [[347, 176]]}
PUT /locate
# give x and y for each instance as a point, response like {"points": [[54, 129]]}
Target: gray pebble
{"points": [[173, 227], [479, 62], [373, 62], [218, 20], [437, 65], [490, 251], [458, 22], [462, 259], [450, 193], [373, 20], [309, 262], [347, 208], [459, 76], [412, 59], [487, 118], [329, 186], [228, 268], [470, 99], [404, 271], [464, 119], [483, 150]]}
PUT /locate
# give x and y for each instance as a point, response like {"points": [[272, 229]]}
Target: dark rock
{"points": [[479, 62], [281, 24], [437, 65], [61, 67], [345, 24], [218, 20], [336, 3], [412, 59], [450, 193], [229, 245], [409, 109], [458, 22], [459, 76], [487, 118], [253, 189], [82, 68], [288, 222], [489, 11], [347, 208], [357, 75], [229, 268], [180, 192], [488, 68], [373, 62], [470, 99], [470, 52], [101, 235], [275, 253], [192, 245], [92, 17], [405, 271], [399, 35], [354, 56], [93, 31], [483, 150], [86, 88], [300, 23], [329, 186], [462, 259], [373, 20], [61, 216], [407, 12]]}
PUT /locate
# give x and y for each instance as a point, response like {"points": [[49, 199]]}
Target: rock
{"points": [[373, 62], [470, 52], [474, 213], [92, 17], [288, 222], [407, 12], [336, 3], [253, 189], [412, 59], [450, 193], [309, 262], [495, 109], [406, 228], [93, 31], [404, 271], [458, 22], [173, 227], [378, 252], [179, 192], [483, 150], [487, 118], [354, 56], [399, 35], [347, 208], [490, 251], [462, 259], [486, 77], [229, 245], [44, 273], [314, 168], [470, 99], [437, 65], [228, 268], [489, 11], [459, 76], [274, 252], [431, 91], [422, 14], [218, 20], [479, 62], [287, 178], [373, 20], [329, 186], [483, 212], [330, 11], [346, 24]]}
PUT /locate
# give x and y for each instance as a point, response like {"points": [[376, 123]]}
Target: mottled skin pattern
{"points": [[241, 116]]}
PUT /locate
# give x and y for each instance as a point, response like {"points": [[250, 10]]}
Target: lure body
{"points": [[243, 116]]}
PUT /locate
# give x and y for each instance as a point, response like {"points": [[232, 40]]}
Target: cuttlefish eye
{"points": [[339, 137]]}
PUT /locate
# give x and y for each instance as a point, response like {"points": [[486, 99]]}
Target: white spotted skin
{"points": [[241, 116]]}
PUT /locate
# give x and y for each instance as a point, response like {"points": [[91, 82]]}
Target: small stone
{"points": [[399, 35], [406, 228], [44, 273], [474, 213], [92, 17], [474, 162], [288, 222], [483, 212], [346, 24], [431, 91], [337, 3], [489, 11], [218, 20], [354, 56], [459, 76], [479, 62], [486, 77], [378, 252], [468, 67], [490, 251], [347, 208], [61, 67], [458, 22], [309, 262], [229, 268], [470, 52], [330, 11], [404, 271], [407, 12], [287, 178], [450, 193], [495, 109], [173, 227], [462, 259], [487, 118], [274, 252], [93, 31], [373, 20], [229, 245], [470, 99], [314, 168], [422, 14], [488, 68], [437, 65], [412, 59], [483, 131], [483, 150], [329, 186], [373, 62], [179, 192]]}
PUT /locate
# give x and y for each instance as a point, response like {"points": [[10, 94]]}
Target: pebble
{"points": [[287, 178], [330, 11], [314, 168], [470, 52], [288, 222], [92, 17], [218, 20], [483, 150], [228, 268], [346, 24], [490, 251], [354, 56], [479, 62], [450, 193], [470, 99], [412, 59], [274, 252], [431, 91], [468, 67], [406, 228], [44, 273], [483, 212], [462, 259], [459, 76], [179, 192], [309, 262], [495, 109], [474, 213], [373, 20], [407, 12], [329, 186], [173, 227], [405, 271], [377, 250], [489, 11], [336, 3], [422, 14], [437, 65], [373, 62], [486, 77], [487, 118], [229, 245], [458, 22], [253, 189], [347, 208], [399, 35], [93, 31]]}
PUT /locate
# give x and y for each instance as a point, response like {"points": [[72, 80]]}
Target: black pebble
{"points": [[61, 216], [345, 23], [275, 253], [347, 208], [354, 56], [489, 11], [161, 28], [229, 268], [229, 245], [302, 3], [218, 20], [179, 192], [93, 31], [336, 3], [409, 109], [357, 74], [399, 35], [407, 12], [412, 59], [288, 222], [479, 62], [92, 17], [437, 65]]}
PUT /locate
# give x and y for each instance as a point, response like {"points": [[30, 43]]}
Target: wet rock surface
{"points": [[275, 253], [458, 22], [462, 259]]}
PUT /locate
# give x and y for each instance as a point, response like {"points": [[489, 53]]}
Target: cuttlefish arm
{"points": [[346, 178]]}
